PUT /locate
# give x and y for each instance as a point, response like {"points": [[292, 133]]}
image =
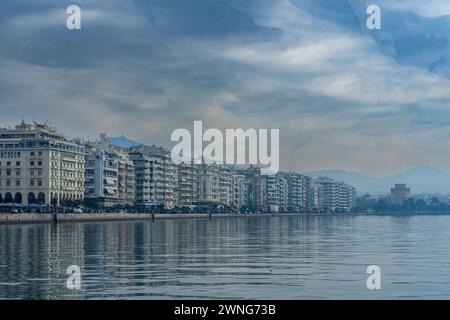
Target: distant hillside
{"points": [[420, 179], [123, 142]]}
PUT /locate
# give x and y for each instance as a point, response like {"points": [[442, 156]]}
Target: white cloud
{"points": [[429, 8]]}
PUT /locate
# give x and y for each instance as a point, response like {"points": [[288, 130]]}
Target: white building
{"points": [[209, 183], [39, 165], [126, 176], [335, 196], [101, 178], [298, 191], [155, 175], [239, 189], [226, 185], [187, 184]]}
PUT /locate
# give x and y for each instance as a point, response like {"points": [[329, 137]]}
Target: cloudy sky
{"points": [[343, 97]]}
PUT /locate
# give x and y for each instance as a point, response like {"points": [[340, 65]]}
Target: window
{"points": [[17, 172], [8, 163], [17, 183], [32, 153], [39, 183], [40, 153], [8, 172], [39, 172], [31, 163], [32, 183], [17, 163], [8, 183], [39, 163]]}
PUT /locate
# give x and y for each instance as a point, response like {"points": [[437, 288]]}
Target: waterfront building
{"points": [[335, 196], [400, 193], [101, 178], [40, 166], [209, 183], [313, 197], [270, 193], [187, 184], [283, 193], [298, 191], [254, 186], [225, 185], [155, 176], [125, 172], [126, 179], [239, 190], [275, 193]]}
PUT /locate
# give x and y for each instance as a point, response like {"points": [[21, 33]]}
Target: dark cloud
{"points": [[344, 98]]}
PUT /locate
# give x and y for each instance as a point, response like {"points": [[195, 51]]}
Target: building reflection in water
{"points": [[260, 257]]}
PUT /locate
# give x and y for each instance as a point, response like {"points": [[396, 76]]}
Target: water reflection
{"points": [[265, 257]]}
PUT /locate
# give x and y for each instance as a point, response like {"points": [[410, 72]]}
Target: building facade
{"points": [[125, 173], [187, 184], [40, 166], [209, 183], [239, 191], [335, 196], [155, 176], [101, 178]]}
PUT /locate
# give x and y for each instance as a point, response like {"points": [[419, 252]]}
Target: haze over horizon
{"points": [[343, 97]]}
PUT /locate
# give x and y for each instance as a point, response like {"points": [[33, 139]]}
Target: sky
{"points": [[344, 97]]}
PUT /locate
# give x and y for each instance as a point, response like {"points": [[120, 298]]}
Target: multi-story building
{"points": [[155, 175], [283, 193], [101, 178], [335, 196], [126, 183], [239, 187], [275, 193], [226, 185], [254, 186], [126, 178], [188, 184], [298, 191], [313, 197], [39, 165], [209, 183], [270, 193]]}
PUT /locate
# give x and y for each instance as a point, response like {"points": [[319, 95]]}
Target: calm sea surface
{"points": [[231, 258]]}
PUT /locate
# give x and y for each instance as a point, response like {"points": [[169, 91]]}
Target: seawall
{"points": [[119, 216]]}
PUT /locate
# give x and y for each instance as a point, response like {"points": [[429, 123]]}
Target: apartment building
{"points": [[335, 196], [209, 183], [239, 189], [40, 166], [155, 176], [226, 185], [101, 178], [187, 184], [126, 175], [254, 186]]}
